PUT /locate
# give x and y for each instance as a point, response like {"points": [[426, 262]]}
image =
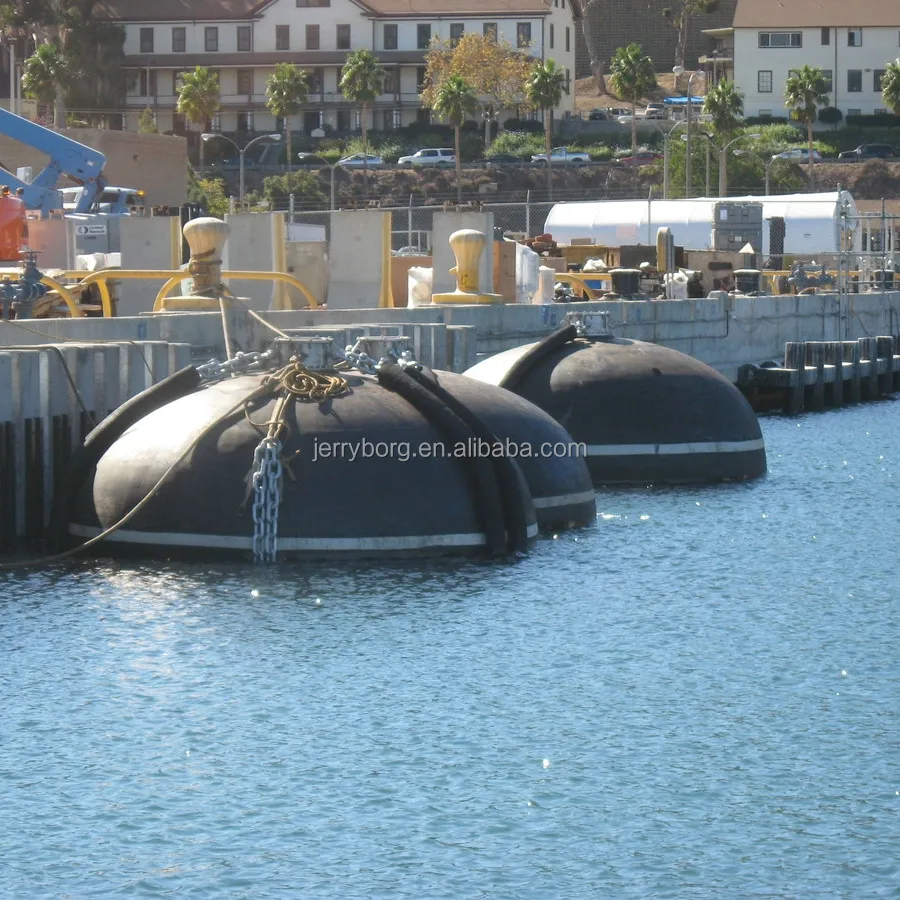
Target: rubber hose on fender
{"points": [[509, 480], [483, 480], [532, 356], [179, 384]]}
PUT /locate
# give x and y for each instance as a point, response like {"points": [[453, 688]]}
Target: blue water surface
{"points": [[698, 696]]}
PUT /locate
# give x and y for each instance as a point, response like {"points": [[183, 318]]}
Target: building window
{"points": [[854, 112], [778, 39], [390, 82], [420, 78], [423, 115], [456, 33], [179, 39], [489, 30], [282, 37], [146, 40], [826, 37], [312, 37], [828, 75], [343, 120], [765, 114], [317, 80], [245, 81], [390, 37], [854, 80], [523, 34], [243, 121], [307, 4], [568, 39], [211, 39], [244, 39], [144, 83], [854, 37], [423, 36], [763, 81], [877, 75], [568, 82], [343, 37], [879, 111], [551, 35]]}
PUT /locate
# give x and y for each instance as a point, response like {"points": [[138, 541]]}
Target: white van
{"points": [[441, 156]]}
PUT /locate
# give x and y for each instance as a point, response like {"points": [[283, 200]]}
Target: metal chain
{"points": [[266, 482], [357, 358], [242, 362]]}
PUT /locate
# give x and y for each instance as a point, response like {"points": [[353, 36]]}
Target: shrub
{"points": [[304, 186], [529, 125], [874, 120], [831, 115], [517, 143]]}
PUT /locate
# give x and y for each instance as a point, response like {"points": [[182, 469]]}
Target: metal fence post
{"points": [[291, 208], [528, 213], [409, 209]]}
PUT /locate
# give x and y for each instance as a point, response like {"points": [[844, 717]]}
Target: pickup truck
{"points": [[868, 151], [561, 156]]}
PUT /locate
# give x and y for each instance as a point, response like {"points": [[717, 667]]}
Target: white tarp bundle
{"points": [[811, 221]]}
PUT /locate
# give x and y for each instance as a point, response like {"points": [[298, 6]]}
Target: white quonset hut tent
{"points": [[812, 221]]}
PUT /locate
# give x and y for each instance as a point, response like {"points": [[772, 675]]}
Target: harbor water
{"points": [[697, 696]]}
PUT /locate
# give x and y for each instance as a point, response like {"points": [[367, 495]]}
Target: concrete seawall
{"points": [[725, 332]]}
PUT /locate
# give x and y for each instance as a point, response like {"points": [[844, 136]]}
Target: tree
{"points": [[632, 77], [496, 70], [724, 104], [198, 99], [890, 86], [544, 90], [455, 100], [147, 122], [679, 17], [286, 93], [590, 41], [805, 91], [362, 80], [44, 74]]}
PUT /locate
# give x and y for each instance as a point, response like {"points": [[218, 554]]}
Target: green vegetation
{"points": [[544, 90], [890, 87], [805, 91], [147, 122], [286, 92], [362, 80], [454, 100], [44, 75], [198, 99], [632, 77]]}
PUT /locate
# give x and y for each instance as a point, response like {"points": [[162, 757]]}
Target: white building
{"points": [[242, 40], [852, 41]]}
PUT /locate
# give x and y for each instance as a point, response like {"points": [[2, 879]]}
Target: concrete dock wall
{"points": [[724, 332]]}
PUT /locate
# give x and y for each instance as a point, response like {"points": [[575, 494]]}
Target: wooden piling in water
{"points": [[852, 356], [795, 359], [834, 356], [868, 351], [815, 359], [885, 351]]}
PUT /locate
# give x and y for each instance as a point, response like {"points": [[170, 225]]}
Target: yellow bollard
{"points": [[467, 245]]}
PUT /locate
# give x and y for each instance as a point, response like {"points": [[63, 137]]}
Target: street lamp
{"points": [[723, 162], [766, 165], [679, 70], [206, 137], [666, 159], [708, 145]]}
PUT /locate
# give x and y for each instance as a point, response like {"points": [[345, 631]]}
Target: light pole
{"points": [[766, 165], [708, 144], [206, 137], [679, 70], [723, 162]]}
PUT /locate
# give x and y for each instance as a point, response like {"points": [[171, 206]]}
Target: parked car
{"points": [[311, 161], [598, 115], [655, 111], [361, 161], [562, 156], [800, 154], [440, 156], [868, 151], [641, 158]]}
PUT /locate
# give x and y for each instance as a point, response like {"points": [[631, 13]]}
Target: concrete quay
{"points": [[724, 331]]}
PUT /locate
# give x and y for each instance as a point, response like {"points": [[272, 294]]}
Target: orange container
{"points": [[13, 228]]}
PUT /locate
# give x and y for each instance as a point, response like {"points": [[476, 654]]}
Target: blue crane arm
{"points": [[82, 164]]}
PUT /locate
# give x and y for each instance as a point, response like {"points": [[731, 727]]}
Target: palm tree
{"points": [[362, 78], [46, 72], [804, 92], [198, 99], [632, 76], [724, 104], [286, 93], [890, 86], [544, 89], [456, 99]]}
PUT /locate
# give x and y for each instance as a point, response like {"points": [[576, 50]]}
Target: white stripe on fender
{"points": [[562, 500], [675, 449], [234, 542]]}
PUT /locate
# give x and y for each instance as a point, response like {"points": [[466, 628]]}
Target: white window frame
{"points": [[764, 40]]}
